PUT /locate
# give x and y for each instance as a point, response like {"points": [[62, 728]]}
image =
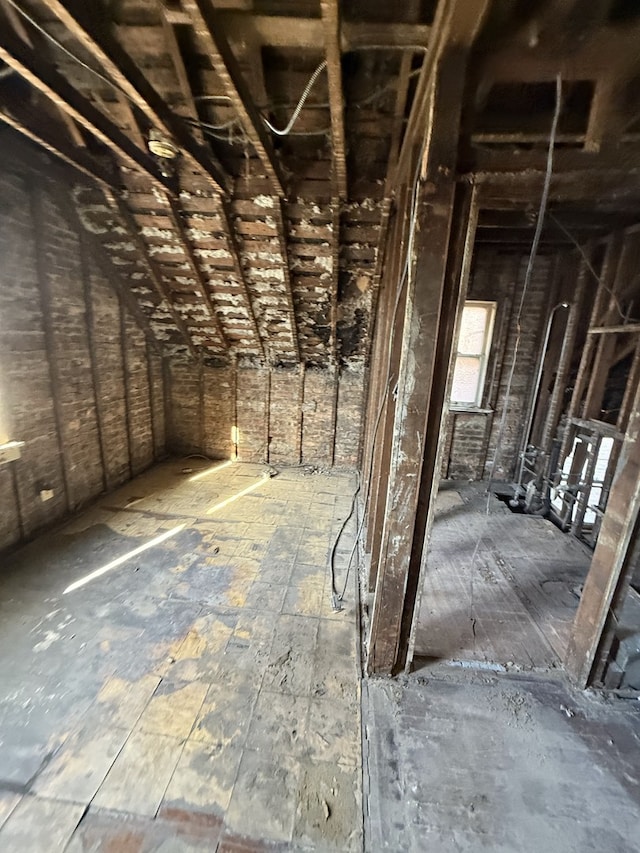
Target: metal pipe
{"points": [[534, 397]]}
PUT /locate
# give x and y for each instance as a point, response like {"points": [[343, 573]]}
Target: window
{"points": [[474, 343]]}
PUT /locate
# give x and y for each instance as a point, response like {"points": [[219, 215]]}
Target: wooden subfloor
{"points": [[500, 588], [173, 674]]}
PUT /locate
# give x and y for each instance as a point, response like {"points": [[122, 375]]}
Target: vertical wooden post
{"points": [[608, 579], [420, 396]]}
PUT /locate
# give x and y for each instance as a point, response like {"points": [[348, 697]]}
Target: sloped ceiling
{"points": [[245, 242]]}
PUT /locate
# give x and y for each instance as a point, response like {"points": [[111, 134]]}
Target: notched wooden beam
{"points": [[331, 26]]}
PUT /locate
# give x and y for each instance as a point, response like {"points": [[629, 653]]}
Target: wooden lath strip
{"points": [[234, 251], [124, 73], [209, 27], [283, 246], [56, 145], [335, 278], [331, 22], [154, 275], [175, 216]]}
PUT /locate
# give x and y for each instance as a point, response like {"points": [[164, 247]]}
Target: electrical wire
{"points": [[284, 131], [64, 49], [527, 280]]}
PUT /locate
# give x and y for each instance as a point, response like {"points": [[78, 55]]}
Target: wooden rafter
{"points": [[209, 27], [282, 245], [47, 136], [385, 216], [234, 251], [46, 80], [126, 76], [154, 274], [331, 22], [335, 278], [174, 215]]}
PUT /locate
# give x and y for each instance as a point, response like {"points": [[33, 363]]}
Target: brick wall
{"points": [[281, 416], [471, 438], [78, 384]]}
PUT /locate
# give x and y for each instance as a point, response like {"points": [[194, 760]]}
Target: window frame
{"points": [[482, 357]]}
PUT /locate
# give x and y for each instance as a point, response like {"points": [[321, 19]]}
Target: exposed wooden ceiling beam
{"points": [[209, 27], [565, 160], [127, 77], [45, 79], [47, 136], [331, 24], [155, 276], [283, 31]]}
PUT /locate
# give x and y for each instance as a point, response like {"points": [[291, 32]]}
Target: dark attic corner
{"points": [[319, 426]]}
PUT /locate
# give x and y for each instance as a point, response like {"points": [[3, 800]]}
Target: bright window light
{"points": [[238, 495], [474, 343], [208, 471], [115, 563]]}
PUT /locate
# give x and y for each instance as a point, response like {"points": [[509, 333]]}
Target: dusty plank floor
{"points": [[500, 588], [173, 675], [475, 762]]}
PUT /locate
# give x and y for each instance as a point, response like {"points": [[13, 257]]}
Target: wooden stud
{"points": [[458, 272], [426, 346]]}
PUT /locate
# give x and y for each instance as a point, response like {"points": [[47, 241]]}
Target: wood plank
{"points": [[40, 826], [139, 776]]}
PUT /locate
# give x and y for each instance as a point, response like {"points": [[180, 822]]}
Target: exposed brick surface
{"points": [[283, 416], [318, 416], [48, 341], [351, 400], [219, 412], [252, 408]]}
